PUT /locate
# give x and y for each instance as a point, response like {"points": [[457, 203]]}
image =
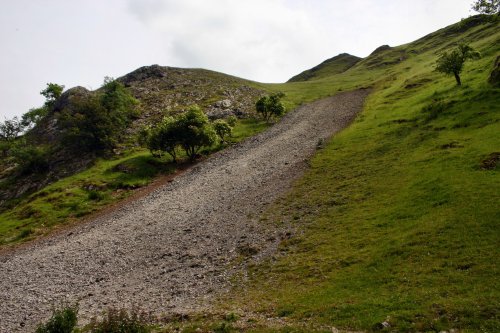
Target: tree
{"points": [[31, 118], [452, 63], [191, 131], [194, 131], [222, 128], [97, 122], [163, 138], [30, 158], [270, 106], [488, 7], [10, 129], [52, 93]]}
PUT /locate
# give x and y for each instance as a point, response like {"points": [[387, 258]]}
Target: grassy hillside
{"points": [[397, 218], [329, 67]]}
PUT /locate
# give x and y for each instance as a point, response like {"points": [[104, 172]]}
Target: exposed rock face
{"points": [[47, 132], [494, 79], [69, 97]]}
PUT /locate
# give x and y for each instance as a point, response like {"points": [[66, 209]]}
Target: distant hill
{"points": [[332, 66]]}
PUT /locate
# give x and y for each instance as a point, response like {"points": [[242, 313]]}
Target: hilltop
{"points": [[329, 67]]}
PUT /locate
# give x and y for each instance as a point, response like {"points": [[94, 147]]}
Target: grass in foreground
{"points": [[107, 182]]}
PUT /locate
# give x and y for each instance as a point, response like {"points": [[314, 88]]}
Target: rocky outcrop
{"points": [[169, 90]]}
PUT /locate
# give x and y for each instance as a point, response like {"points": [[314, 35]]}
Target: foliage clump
{"points": [[222, 128], [62, 321], [190, 131], [52, 94], [30, 158], [488, 7], [270, 106], [120, 321], [98, 122], [452, 63]]}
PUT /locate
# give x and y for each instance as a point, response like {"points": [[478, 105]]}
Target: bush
{"points": [[191, 131], [10, 129], [231, 120], [62, 321], [120, 321], [31, 118], [163, 138], [5, 147], [222, 128], [98, 122], [270, 106], [194, 131], [95, 195], [30, 158]]}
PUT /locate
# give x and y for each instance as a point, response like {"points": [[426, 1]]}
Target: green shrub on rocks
{"points": [[62, 321]]}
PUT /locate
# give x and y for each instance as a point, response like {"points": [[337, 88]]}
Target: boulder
{"points": [[224, 104]]}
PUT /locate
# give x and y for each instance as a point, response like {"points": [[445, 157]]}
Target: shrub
{"points": [[31, 118], [194, 131], [120, 321], [30, 158], [163, 138], [5, 147], [488, 7], [10, 129], [62, 321], [52, 93], [222, 128], [95, 195], [98, 122], [270, 106], [231, 120], [191, 131]]}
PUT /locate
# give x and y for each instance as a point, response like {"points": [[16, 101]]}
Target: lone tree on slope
{"points": [[270, 106], [453, 63]]}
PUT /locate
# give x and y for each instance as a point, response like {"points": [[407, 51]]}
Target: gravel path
{"points": [[172, 249]]}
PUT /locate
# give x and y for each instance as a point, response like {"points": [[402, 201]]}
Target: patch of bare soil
{"points": [[173, 249]]}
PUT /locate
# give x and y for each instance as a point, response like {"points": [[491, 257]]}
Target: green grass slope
{"points": [[329, 67], [398, 217]]}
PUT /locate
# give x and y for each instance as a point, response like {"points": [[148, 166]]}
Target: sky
{"points": [[79, 42]]}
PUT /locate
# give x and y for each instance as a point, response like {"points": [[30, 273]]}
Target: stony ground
{"points": [[174, 248]]}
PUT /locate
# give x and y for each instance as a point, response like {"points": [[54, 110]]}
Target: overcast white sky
{"points": [[78, 42]]}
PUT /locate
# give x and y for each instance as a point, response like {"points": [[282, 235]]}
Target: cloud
{"points": [[271, 40], [259, 39], [80, 42]]}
